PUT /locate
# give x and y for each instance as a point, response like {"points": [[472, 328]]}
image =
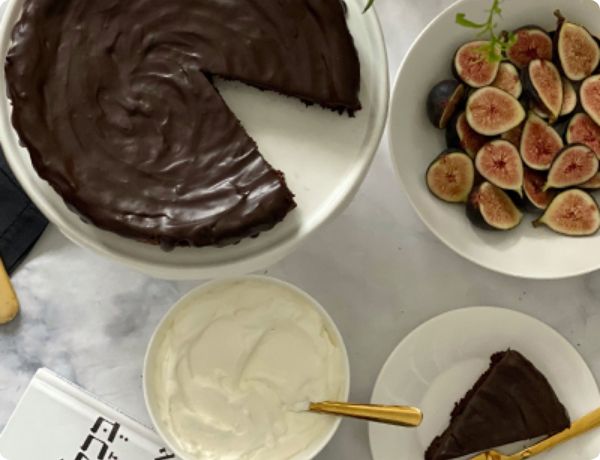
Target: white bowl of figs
{"points": [[495, 133]]}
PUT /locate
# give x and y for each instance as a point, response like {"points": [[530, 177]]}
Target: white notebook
{"points": [[56, 420]]}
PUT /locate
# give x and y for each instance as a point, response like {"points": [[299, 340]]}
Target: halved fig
{"points": [[575, 165], [514, 135], [544, 84], [532, 43], [578, 51], [472, 66], [583, 130], [450, 176], [540, 143], [509, 80], [590, 97], [500, 163], [443, 101], [490, 207], [593, 183], [461, 136], [572, 212], [533, 189], [491, 111], [569, 98]]}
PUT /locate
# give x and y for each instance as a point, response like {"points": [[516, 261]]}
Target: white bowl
{"points": [[324, 156], [150, 363], [525, 252]]}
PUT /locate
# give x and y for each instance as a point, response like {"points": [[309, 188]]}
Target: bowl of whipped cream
{"points": [[232, 365]]}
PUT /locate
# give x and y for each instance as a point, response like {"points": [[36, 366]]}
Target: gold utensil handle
{"points": [[394, 415], [583, 425], [9, 305]]}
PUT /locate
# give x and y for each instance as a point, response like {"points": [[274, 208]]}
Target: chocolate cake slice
{"points": [[512, 401], [115, 102]]}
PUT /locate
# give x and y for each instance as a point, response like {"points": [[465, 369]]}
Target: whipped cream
{"points": [[234, 365]]}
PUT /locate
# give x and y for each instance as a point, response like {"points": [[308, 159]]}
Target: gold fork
{"points": [[584, 424]]}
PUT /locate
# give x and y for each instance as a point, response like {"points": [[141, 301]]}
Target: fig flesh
{"points": [[443, 101], [499, 163], [533, 189], [583, 130], [573, 212], [590, 97], [593, 183], [472, 66], [509, 80], [532, 42], [491, 111], [461, 136], [490, 207], [569, 98], [540, 143], [575, 165], [578, 51], [450, 176], [544, 84]]}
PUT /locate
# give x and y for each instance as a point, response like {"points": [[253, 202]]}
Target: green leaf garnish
{"points": [[499, 43], [369, 5], [461, 19]]}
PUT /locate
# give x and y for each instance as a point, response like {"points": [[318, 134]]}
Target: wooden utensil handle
{"points": [[9, 305], [580, 426], [394, 415]]}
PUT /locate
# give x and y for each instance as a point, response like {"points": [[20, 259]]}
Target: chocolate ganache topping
{"points": [[114, 101]]}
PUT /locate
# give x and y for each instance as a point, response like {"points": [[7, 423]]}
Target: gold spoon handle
{"points": [[394, 415], [583, 425], [9, 305]]}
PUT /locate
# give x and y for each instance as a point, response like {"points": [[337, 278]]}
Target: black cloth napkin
{"points": [[21, 224]]}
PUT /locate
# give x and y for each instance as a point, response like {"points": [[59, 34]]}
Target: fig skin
{"points": [[578, 53], [500, 164], [508, 79], [459, 135], [478, 213], [540, 143], [574, 165], [471, 65], [443, 101], [589, 94], [533, 42], [583, 130], [543, 84], [450, 177], [533, 190], [508, 111], [572, 212]]}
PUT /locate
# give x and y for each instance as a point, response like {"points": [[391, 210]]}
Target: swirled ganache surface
{"points": [[114, 101]]}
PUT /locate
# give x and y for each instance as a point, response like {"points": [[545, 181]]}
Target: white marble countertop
{"points": [[376, 268]]}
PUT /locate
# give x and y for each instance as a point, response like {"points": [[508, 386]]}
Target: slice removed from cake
{"points": [[512, 401]]}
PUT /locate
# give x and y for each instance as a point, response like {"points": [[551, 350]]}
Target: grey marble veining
{"points": [[376, 268]]}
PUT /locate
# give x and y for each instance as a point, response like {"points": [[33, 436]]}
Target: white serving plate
{"points": [[524, 252], [433, 367], [324, 156], [186, 304]]}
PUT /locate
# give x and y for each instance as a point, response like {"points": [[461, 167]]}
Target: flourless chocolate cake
{"points": [[115, 102], [512, 401]]}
